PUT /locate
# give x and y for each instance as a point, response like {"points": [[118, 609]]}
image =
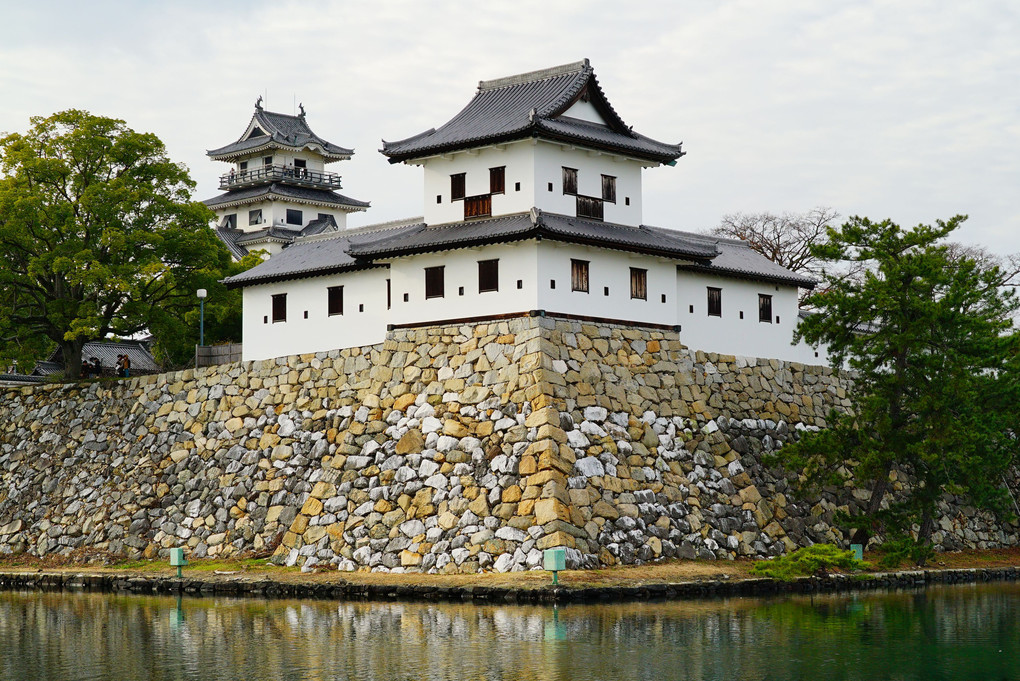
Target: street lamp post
{"points": [[201, 293]]}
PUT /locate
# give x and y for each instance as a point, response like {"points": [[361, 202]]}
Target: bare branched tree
{"points": [[784, 239]]}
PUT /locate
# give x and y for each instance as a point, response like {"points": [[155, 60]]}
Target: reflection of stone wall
{"points": [[445, 448]]}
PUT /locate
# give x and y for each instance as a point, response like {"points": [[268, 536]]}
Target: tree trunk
{"points": [[72, 359], [924, 534], [861, 535]]}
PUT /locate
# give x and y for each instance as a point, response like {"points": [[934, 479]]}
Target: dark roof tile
{"points": [[280, 130]]}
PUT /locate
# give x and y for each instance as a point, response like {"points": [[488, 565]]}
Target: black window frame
{"points": [[580, 275], [279, 305], [435, 282], [334, 301], [254, 216], [638, 283], [488, 275], [569, 181], [294, 212], [300, 163], [267, 161], [458, 186], [714, 301], [497, 180], [765, 308]]}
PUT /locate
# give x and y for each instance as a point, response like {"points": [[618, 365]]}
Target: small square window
{"points": [[664, 297], [435, 285], [243, 166], [306, 314], [294, 217], [407, 297], [335, 300], [267, 161], [520, 283], [460, 290], [361, 307], [389, 294], [439, 198], [691, 310], [550, 186], [777, 319], [488, 275], [552, 283], [605, 290], [579, 275], [265, 319], [626, 200], [517, 186], [255, 216], [457, 186], [714, 301], [741, 314], [279, 307]]}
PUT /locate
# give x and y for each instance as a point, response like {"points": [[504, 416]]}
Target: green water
{"points": [[967, 632]]}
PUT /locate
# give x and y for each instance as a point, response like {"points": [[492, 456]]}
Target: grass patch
{"points": [[819, 559]]}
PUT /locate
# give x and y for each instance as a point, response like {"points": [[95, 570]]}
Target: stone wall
{"points": [[451, 449]]}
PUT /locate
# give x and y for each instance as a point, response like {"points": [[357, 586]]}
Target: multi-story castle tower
{"points": [[278, 187]]}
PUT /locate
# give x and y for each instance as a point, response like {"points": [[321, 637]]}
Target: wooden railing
{"points": [[279, 173]]}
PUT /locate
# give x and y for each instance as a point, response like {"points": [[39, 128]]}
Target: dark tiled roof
{"points": [[736, 257], [142, 361], [531, 105], [285, 191], [318, 255], [535, 224], [238, 241], [280, 130]]}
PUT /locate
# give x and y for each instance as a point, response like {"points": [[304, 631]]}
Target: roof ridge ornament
{"points": [[301, 108], [258, 103]]}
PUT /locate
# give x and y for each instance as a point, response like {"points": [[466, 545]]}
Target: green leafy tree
{"points": [[928, 332], [98, 235]]}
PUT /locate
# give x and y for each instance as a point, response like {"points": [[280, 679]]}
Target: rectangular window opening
{"points": [[435, 285], [714, 302], [279, 307], [488, 275], [294, 217], [335, 300], [267, 161], [569, 180], [457, 186], [389, 294], [255, 216], [764, 308], [638, 283], [609, 188], [478, 206], [497, 180], [579, 275]]}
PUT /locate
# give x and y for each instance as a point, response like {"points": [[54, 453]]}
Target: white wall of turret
{"points": [[533, 176], [275, 213]]}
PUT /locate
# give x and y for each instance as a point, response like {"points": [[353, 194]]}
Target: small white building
{"points": [[532, 205], [278, 188]]}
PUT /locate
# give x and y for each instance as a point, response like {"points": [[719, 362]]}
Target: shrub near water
{"points": [[810, 560]]}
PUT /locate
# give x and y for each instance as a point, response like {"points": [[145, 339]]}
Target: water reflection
{"points": [[949, 633]]}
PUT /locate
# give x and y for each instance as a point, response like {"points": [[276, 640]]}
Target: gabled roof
{"points": [[532, 105], [533, 225], [316, 256], [271, 130], [277, 190], [106, 351], [737, 258]]}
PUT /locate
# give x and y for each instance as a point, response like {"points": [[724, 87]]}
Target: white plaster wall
{"points": [[517, 261], [606, 269], [585, 112], [320, 331], [518, 158], [729, 334], [591, 166]]}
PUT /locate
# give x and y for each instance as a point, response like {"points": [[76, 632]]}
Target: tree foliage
{"points": [[928, 332], [98, 235]]}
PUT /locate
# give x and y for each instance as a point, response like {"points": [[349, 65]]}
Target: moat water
{"points": [[963, 632]]}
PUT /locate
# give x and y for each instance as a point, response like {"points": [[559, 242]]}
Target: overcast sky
{"points": [[908, 110]]}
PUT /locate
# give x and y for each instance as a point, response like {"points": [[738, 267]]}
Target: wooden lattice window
{"points": [[488, 275], [457, 186], [764, 308], [497, 180], [714, 302], [569, 180], [279, 307], [609, 188], [638, 283], [579, 275], [435, 283]]}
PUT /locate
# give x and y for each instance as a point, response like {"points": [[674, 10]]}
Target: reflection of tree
{"points": [[941, 633]]}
